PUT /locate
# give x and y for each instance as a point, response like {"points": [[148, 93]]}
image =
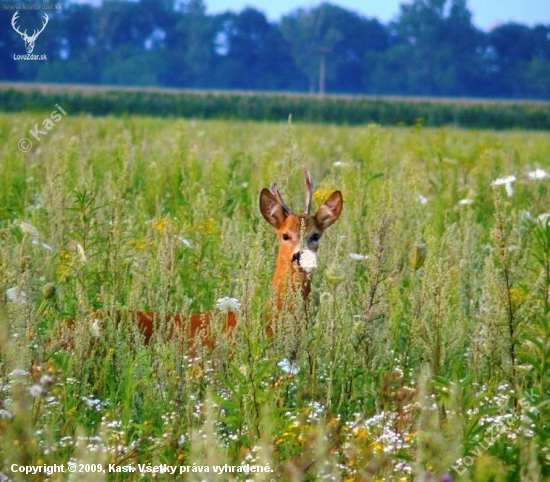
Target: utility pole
{"points": [[322, 70]]}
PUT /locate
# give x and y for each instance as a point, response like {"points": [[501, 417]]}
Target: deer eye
{"points": [[286, 237], [315, 237]]}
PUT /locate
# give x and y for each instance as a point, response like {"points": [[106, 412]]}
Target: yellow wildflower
{"points": [[207, 226], [322, 194], [160, 223], [360, 433], [376, 446], [517, 295]]}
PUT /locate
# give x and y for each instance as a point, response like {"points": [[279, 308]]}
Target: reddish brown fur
{"points": [[291, 229], [194, 327]]}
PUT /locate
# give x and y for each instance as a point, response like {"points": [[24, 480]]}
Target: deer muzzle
{"points": [[305, 259]]}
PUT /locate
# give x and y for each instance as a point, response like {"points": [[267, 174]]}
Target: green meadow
{"points": [[425, 354]]}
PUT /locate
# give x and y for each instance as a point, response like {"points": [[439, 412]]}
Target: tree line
{"points": [[432, 48]]}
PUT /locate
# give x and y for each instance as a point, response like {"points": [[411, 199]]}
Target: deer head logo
{"points": [[29, 40]]}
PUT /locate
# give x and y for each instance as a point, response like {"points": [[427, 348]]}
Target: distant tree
{"points": [[519, 56], [253, 54], [436, 51], [189, 47], [126, 24], [356, 38], [537, 79], [77, 57], [329, 45], [432, 48], [465, 44], [312, 38], [110, 44], [143, 69]]}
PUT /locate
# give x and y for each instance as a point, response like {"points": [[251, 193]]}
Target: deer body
{"points": [[196, 327], [299, 236]]}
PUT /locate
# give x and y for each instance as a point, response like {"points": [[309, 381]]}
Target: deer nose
{"points": [[296, 257]]}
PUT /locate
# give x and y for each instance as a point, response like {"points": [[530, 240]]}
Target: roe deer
{"points": [[299, 236]]}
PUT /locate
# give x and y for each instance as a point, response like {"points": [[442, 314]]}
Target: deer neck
{"points": [[286, 278]]}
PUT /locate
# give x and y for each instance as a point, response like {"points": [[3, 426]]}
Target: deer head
{"points": [[29, 41], [299, 234]]}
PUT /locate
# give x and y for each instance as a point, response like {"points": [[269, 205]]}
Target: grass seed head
{"points": [[418, 256], [335, 274], [48, 291], [308, 260]]}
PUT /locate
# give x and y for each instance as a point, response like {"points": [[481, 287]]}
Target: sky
{"points": [[486, 13]]}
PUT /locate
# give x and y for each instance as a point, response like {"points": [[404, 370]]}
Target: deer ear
{"points": [[330, 211], [271, 209]]}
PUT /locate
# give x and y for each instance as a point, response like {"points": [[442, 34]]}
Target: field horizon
{"points": [[335, 109]]}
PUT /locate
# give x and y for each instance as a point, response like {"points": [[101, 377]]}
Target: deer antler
{"points": [[37, 33], [274, 190], [309, 190], [13, 19]]}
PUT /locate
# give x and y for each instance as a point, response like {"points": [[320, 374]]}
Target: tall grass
{"points": [[416, 347]]}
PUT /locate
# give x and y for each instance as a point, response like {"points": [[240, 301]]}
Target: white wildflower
{"points": [[92, 403], [184, 241], [29, 229], [288, 367], [308, 260], [36, 390], [422, 199], [525, 215], [228, 304], [543, 218], [358, 257], [18, 373], [465, 202], [15, 295], [37, 203], [4, 414], [76, 246], [42, 245], [507, 183], [95, 329], [538, 174], [45, 380], [338, 164], [503, 180]]}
